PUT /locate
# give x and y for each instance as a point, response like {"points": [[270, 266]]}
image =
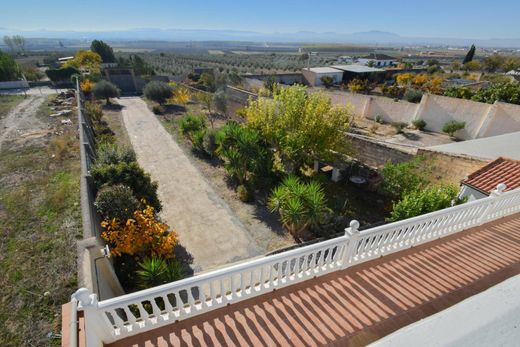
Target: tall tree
{"points": [[300, 126], [19, 41], [9, 43], [469, 56], [104, 50], [9, 70]]}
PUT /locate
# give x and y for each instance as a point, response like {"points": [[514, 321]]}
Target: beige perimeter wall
{"points": [[482, 120]]}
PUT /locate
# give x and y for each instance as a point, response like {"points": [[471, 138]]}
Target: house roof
{"points": [[357, 68], [324, 70], [501, 170], [378, 56]]}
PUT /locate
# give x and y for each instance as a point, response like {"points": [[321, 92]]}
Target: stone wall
{"points": [[450, 168], [445, 168], [376, 154]]}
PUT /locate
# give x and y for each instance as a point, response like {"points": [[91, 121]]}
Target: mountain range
{"points": [[367, 37]]}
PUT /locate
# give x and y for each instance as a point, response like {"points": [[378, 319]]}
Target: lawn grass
{"points": [[39, 225], [7, 102]]}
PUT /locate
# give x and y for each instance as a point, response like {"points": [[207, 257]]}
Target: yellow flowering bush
{"points": [[86, 86], [142, 235]]}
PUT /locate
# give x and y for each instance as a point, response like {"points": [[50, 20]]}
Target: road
{"points": [[206, 226]]}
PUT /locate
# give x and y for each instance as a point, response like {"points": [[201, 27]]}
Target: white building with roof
{"points": [[313, 75], [377, 59]]}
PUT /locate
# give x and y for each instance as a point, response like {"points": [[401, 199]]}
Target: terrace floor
{"points": [[361, 304]]}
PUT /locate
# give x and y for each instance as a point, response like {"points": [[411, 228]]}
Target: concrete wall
{"points": [[504, 119], [437, 110], [239, 95], [390, 110], [482, 120], [14, 85]]}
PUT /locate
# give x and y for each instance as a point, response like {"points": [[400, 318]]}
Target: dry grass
{"points": [[7, 102], [39, 224]]}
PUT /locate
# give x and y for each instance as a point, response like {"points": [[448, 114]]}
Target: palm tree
{"points": [[299, 204]]}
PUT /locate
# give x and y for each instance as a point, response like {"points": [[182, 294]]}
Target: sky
{"points": [[480, 19]]}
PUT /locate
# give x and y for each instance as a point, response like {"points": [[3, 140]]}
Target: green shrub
{"points": [[413, 95], [131, 175], [210, 142], [403, 177], [105, 90], [197, 139], [452, 126], [299, 204], [380, 119], [157, 91], [93, 111], [155, 271], [156, 109], [425, 200], [190, 124], [419, 124], [116, 202], [113, 154], [399, 126], [244, 193], [245, 153]]}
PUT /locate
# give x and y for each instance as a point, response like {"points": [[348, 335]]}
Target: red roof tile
{"points": [[501, 170]]}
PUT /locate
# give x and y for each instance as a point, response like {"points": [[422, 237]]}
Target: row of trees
{"points": [[506, 92]]}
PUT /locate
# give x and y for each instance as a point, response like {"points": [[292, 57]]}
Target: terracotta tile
{"points": [[356, 306]]}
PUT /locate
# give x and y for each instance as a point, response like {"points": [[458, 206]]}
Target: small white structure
{"points": [[63, 60], [378, 60], [314, 75]]}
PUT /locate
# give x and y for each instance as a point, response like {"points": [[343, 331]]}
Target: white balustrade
{"points": [[127, 315]]}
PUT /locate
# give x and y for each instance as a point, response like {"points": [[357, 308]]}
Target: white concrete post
{"points": [[96, 330], [353, 234], [491, 208], [316, 165], [499, 190]]}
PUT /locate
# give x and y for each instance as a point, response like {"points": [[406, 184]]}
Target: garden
{"points": [[143, 247], [266, 159]]}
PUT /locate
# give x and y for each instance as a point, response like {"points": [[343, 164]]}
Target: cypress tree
{"points": [[469, 55]]}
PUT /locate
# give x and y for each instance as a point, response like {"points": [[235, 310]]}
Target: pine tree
{"points": [[469, 55]]}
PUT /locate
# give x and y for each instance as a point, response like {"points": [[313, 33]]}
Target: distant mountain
{"points": [[366, 37]]}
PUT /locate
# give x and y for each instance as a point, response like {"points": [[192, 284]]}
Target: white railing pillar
{"points": [[352, 232], [95, 326], [499, 190]]}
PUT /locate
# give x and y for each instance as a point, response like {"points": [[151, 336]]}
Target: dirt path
{"points": [[206, 225], [20, 121]]}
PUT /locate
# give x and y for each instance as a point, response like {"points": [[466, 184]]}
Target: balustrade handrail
{"points": [[286, 268], [225, 271]]}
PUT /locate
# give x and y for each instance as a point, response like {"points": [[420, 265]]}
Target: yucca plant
{"points": [[244, 152], [174, 271], [299, 204], [152, 272]]}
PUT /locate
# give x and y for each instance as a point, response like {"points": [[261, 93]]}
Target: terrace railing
{"points": [[113, 319]]}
